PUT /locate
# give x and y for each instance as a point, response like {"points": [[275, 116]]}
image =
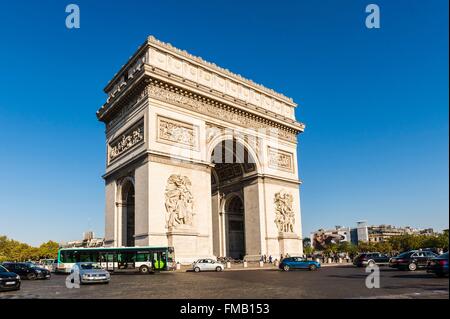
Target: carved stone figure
{"points": [[284, 218], [179, 201]]}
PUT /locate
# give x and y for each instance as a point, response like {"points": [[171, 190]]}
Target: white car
{"points": [[90, 272], [207, 265]]}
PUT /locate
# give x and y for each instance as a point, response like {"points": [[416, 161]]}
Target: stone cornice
{"points": [[165, 57], [224, 111], [186, 97], [153, 41]]}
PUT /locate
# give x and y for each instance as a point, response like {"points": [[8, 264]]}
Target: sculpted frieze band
{"points": [[216, 109], [177, 132], [127, 141], [280, 159]]}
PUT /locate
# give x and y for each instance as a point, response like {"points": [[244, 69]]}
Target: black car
{"points": [[412, 260], [370, 259], [439, 265], [27, 270], [8, 280]]}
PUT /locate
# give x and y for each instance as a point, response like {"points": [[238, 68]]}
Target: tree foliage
{"points": [[13, 250]]}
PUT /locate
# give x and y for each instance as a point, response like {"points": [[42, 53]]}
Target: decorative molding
{"points": [[128, 107], [218, 110], [284, 213], [214, 67], [155, 57], [129, 139], [279, 159], [178, 133], [179, 202], [126, 77]]}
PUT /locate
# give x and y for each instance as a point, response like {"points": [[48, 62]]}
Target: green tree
{"points": [[12, 250], [48, 250]]}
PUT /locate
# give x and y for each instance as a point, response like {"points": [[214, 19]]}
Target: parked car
{"points": [[298, 263], [8, 280], [91, 272], [370, 259], [412, 260], [207, 265], [47, 264], [27, 270], [439, 265]]}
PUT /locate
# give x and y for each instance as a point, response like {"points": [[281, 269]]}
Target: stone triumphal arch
{"points": [[200, 159]]}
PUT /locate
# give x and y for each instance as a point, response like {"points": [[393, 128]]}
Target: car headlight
{"points": [[38, 271]]}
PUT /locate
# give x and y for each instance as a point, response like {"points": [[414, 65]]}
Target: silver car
{"points": [[91, 272], [207, 265]]}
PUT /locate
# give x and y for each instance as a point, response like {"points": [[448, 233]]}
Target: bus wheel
{"points": [[143, 269]]}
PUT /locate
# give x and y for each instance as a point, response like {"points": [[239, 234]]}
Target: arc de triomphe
{"points": [[200, 159]]}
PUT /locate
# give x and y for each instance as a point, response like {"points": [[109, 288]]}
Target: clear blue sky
{"points": [[375, 102]]}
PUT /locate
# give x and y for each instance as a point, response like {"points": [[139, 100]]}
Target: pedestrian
{"points": [[265, 258], [270, 259]]}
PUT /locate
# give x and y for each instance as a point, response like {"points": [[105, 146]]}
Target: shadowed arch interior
{"points": [[128, 211], [233, 165]]}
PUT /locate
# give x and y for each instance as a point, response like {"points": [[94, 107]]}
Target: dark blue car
{"points": [[298, 263], [439, 265]]}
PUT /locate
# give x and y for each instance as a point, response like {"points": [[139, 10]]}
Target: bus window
{"points": [[67, 256], [89, 257], [126, 256], [142, 256]]}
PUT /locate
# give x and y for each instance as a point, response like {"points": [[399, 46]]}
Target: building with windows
{"points": [[364, 233]]}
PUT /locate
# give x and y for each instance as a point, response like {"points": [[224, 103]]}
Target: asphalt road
{"points": [[330, 282]]}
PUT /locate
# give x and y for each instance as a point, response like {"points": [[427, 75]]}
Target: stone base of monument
{"points": [[252, 258], [185, 239], [290, 244]]}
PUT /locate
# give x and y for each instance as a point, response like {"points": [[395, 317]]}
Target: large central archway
{"points": [[234, 167]]}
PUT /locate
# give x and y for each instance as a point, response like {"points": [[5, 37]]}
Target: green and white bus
{"points": [[144, 259]]}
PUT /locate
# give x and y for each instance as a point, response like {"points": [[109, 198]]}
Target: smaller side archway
{"points": [[127, 214], [235, 223]]}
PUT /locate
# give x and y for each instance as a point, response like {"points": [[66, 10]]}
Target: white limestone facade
{"points": [[199, 159]]}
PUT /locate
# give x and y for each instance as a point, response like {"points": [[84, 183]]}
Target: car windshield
{"points": [[3, 269], [90, 266], [443, 256], [403, 255], [31, 265]]}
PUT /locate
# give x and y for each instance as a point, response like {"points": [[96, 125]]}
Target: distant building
{"points": [[362, 231], [382, 233], [321, 238], [88, 240]]}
